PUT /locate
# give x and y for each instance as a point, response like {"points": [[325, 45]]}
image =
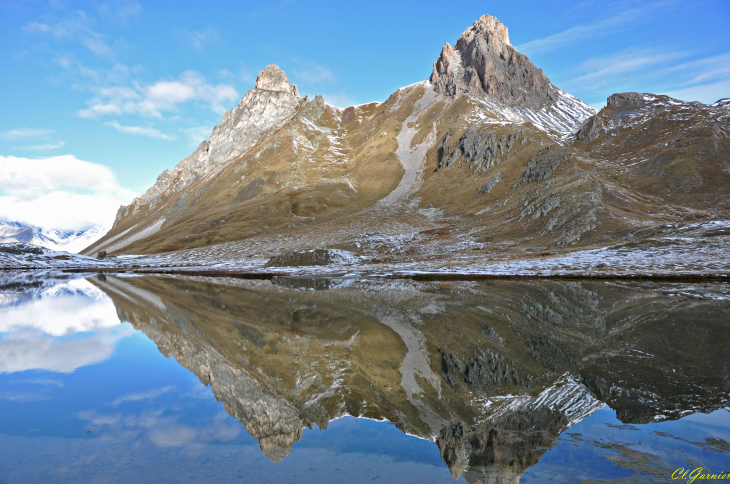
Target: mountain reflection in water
{"points": [[492, 372]]}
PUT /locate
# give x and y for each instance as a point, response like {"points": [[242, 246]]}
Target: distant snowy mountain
{"points": [[59, 240]]}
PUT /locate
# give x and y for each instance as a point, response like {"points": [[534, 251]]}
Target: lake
{"points": [[127, 378]]}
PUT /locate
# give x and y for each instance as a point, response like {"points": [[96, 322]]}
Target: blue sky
{"points": [[135, 86]]}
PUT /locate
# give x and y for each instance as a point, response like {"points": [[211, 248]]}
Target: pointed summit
{"points": [[484, 62], [487, 25], [272, 78]]}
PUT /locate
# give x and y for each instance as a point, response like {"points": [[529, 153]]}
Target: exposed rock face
{"points": [[262, 109], [447, 76], [480, 147], [545, 162], [485, 62], [316, 257], [489, 185], [628, 100], [273, 79], [591, 129]]}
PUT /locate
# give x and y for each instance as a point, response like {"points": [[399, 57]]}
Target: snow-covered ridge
{"points": [[66, 241], [565, 116], [27, 256]]}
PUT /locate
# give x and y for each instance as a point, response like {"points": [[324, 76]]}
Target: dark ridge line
{"points": [[691, 277]]}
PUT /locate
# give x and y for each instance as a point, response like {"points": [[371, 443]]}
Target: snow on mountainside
{"points": [[58, 240]]}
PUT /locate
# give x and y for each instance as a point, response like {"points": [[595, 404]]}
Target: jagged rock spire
{"points": [[484, 62]]}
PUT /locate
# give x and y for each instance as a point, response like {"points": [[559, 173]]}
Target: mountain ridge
{"points": [[486, 149], [58, 240]]}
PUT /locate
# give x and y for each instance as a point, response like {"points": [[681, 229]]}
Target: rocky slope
{"points": [[491, 372], [487, 154]]}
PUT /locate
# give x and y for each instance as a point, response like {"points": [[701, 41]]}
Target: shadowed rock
{"points": [[316, 257]]}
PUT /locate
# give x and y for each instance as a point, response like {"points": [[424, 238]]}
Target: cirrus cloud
{"points": [[22, 133], [139, 131]]}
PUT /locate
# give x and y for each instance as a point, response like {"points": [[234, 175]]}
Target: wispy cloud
{"points": [[682, 74], [45, 382], [139, 130], [271, 9], [197, 134], [578, 33], [339, 99], [609, 25], [312, 73], [43, 147], [706, 93], [78, 27], [198, 39], [120, 11], [138, 397], [19, 133], [608, 70], [23, 397]]}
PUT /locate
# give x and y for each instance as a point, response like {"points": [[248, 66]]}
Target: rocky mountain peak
{"points": [[485, 26], [484, 62], [272, 78]]}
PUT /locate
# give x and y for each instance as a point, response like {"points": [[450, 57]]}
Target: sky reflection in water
{"points": [[86, 397]]}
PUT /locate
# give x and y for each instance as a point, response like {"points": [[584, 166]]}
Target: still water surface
{"points": [[190, 379]]}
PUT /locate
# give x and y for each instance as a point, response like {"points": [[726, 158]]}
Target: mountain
{"points": [[58, 240], [486, 155]]}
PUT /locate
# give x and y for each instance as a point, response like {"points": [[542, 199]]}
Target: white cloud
{"points": [[59, 192], [162, 96], [139, 131], [71, 307], [62, 210], [44, 333], [27, 350], [42, 147], [29, 178], [19, 133], [99, 108]]}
